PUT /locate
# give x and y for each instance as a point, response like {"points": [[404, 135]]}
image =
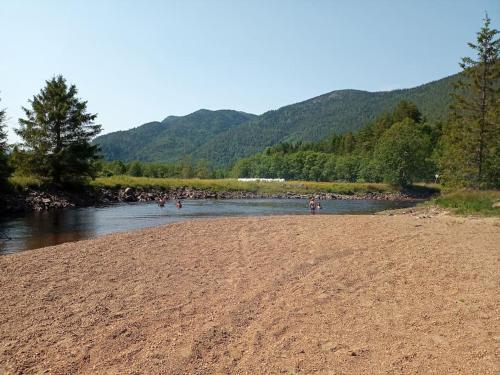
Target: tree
{"points": [[117, 167], [242, 168], [5, 170], [471, 138], [348, 143], [347, 167], [56, 134], [402, 152], [135, 169], [406, 109], [186, 167], [202, 169]]}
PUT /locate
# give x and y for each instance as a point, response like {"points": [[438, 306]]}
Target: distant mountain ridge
{"points": [[171, 138], [225, 136]]}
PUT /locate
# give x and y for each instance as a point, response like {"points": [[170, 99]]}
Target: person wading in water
{"points": [[161, 202], [312, 205]]}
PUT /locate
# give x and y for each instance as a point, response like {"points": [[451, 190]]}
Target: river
{"points": [[40, 229]]}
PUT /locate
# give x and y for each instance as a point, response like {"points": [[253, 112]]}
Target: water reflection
{"points": [[50, 228]]}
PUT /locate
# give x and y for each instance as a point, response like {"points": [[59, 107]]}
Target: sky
{"points": [[140, 61]]}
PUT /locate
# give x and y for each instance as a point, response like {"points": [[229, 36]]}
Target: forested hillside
{"points": [[397, 147], [336, 112], [170, 139], [236, 135]]}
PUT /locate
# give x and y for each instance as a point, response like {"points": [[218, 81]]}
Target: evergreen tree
{"points": [[135, 169], [4, 166], [406, 109], [471, 139], [186, 166], [202, 169], [56, 134], [117, 167]]}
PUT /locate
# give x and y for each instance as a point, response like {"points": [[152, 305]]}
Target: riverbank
{"points": [[31, 195], [311, 294]]}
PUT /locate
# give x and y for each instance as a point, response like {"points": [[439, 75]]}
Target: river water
{"points": [[37, 230]]}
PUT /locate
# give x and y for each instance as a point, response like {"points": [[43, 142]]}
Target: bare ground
{"points": [[401, 294]]}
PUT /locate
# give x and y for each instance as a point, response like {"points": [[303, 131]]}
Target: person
{"points": [[312, 205], [178, 204], [161, 202], [318, 206]]}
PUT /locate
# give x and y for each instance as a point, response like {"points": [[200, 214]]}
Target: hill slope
{"points": [[240, 134], [171, 138], [338, 111]]}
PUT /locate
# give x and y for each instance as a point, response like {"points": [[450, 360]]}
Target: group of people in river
{"points": [[162, 201], [314, 205]]}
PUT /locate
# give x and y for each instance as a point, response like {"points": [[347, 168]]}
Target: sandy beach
{"points": [[368, 294]]}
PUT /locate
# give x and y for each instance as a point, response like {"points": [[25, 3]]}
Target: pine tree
{"points": [[4, 167], [471, 139], [57, 132]]}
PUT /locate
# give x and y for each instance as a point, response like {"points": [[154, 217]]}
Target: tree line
{"points": [[185, 168], [399, 147]]}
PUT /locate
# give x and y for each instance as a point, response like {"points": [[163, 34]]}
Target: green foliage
{"points": [[406, 110], [186, 166], [170, 139], [470, 147], [183, 169], [56, 135], [226, 136], [117, 167], [347, 168], [396, 147], [26, 181], [202, 169], [135, 169], [470, 202], [5, 169], [402, 152], [337, 112]]}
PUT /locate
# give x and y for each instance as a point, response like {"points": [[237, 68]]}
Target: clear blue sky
{"points": [[138, 61]]}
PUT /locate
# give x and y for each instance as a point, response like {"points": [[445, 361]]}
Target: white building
{"points": [[261, 179]]}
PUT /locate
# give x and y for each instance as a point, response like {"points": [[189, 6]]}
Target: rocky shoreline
{"points": [[35, 200]]}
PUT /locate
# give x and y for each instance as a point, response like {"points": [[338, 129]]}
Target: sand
{"points": [[293, 294]]}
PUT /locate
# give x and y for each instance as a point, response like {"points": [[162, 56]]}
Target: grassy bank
{"points": [[470, 202], [228, 185], [302, 187], [26, 182]]}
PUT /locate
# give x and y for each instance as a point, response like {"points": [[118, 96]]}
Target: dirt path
{"points": [[324, 294]]}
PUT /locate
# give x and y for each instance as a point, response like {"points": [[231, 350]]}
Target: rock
{"points": [[496, 205]]}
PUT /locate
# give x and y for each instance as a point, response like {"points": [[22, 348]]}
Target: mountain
{"points": [[336, 112], [171, 138]]}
